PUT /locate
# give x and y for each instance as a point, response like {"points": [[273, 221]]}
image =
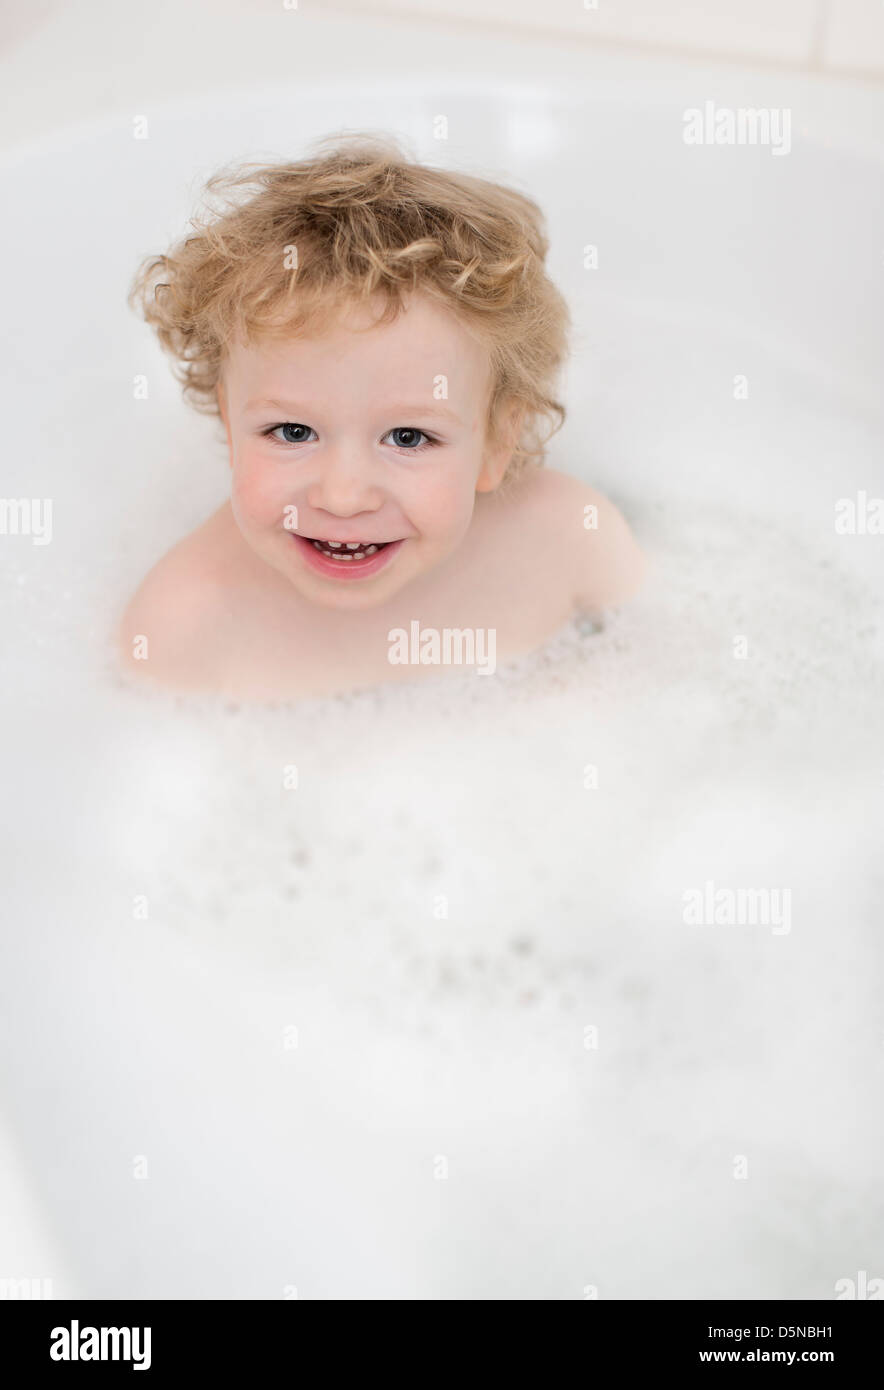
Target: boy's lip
{"points": [[345, 569], [345, 539]]}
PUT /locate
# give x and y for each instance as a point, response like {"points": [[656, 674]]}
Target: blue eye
{"points": [[407, 437], [410, 438], [291, 433]]}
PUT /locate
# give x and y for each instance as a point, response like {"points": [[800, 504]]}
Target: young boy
{"points": [[382, 342]]}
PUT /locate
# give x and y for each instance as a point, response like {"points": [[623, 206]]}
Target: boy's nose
{"points": [[345, 485]]}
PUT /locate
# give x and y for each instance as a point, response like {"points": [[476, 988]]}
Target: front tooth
{"points": [[335, 545], [352, 545], [344, 557]]}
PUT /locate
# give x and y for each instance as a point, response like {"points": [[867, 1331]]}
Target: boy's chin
{"points": [[346, 598]]}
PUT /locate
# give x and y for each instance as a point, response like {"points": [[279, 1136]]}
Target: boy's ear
{"points": [[496, 458]]}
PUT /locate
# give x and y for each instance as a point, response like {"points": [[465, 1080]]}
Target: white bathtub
{"points": [[576, 1160]]}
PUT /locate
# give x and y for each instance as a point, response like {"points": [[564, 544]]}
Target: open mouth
{"points": [[346, 559], [347, 551]]}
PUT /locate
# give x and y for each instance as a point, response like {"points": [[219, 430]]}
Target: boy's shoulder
{"points": [[584, 534], [560, 495], [176, 619]]}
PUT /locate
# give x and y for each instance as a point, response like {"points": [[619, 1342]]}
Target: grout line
{"points": [[819, 35]]}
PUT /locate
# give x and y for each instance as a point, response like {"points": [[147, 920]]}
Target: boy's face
{"points": [[374, 438]]}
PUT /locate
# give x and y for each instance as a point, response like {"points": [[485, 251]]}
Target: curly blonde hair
{"points": [[364, 221]]}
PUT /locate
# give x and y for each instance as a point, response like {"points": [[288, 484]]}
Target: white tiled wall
{"points": [[842, 35], [854, 34]]}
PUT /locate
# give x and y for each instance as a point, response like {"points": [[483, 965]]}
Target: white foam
{"points": [[464, 1036]]}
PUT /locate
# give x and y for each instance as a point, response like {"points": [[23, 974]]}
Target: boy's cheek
{"points": [[255, 498], [448, 515]]}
